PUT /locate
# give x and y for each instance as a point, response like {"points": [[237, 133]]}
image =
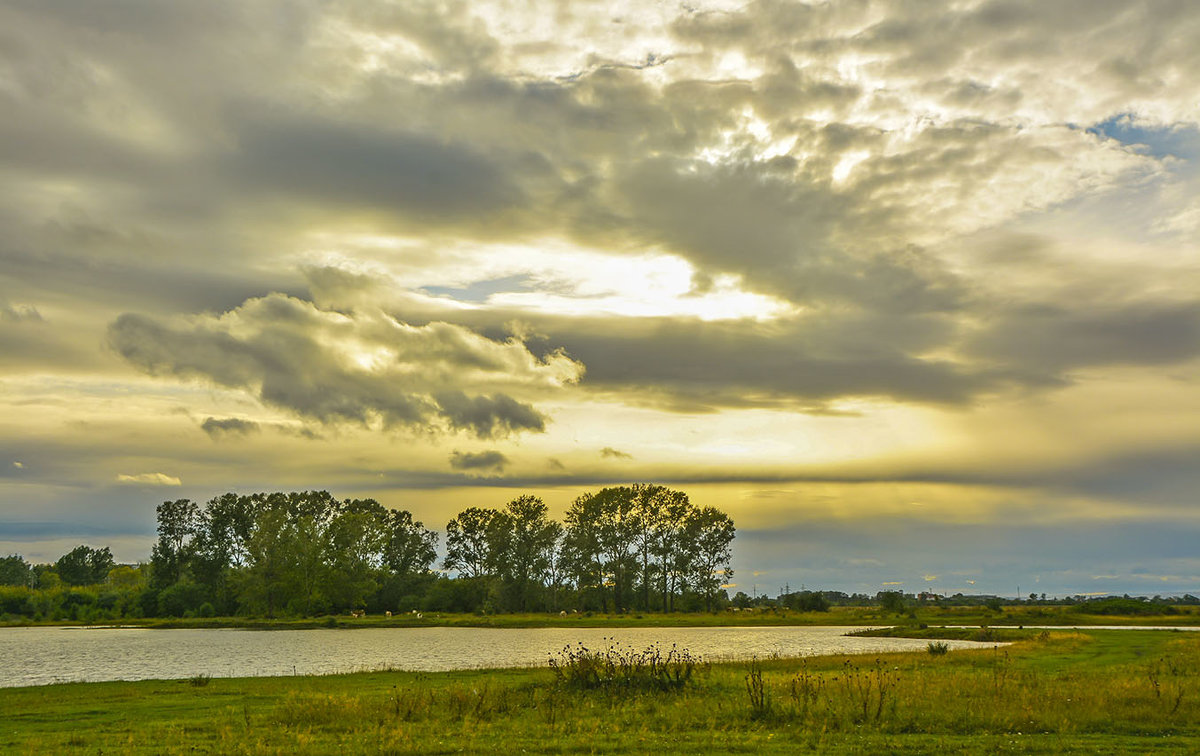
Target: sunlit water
{"points": [[43, 655]]}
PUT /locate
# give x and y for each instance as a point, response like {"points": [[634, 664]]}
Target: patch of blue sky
{"points": [[1180, 141], [480, 291], [19, 530]]}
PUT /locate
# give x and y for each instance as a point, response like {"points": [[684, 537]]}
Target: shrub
{"points": [[181, 598], [937, 648], [624, 668]]}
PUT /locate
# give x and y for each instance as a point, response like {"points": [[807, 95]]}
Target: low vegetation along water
{"points": [[42, 655]]}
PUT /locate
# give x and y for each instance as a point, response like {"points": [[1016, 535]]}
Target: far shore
{"points": [[920, 618]]}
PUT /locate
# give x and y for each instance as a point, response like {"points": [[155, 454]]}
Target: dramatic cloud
{"points": [[486, 460], [229, 426], [367, 369]]}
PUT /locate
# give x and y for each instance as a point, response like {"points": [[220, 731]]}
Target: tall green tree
{"points": [[469, 549], [709, 536], [525, 539], [409, 548], [582, 553], [264, 586], [170, 557], [618, 529], [671, 546], [219, 548], [353, 548]]}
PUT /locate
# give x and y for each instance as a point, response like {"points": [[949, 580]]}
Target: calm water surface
{"points": [[43, 655]]}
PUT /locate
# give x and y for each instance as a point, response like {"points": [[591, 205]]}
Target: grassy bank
{"points": [[1057, 692], [1062, 616]]}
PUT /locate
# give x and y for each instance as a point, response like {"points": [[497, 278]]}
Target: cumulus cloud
{"points": [[149, 479], [610, 453], [485, 460], [364, 368]]}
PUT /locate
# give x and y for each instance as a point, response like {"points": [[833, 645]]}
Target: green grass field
{"points": [[1092, 691]]}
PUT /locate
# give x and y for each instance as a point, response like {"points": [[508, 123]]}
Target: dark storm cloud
{"points": [[493, 416], [72, 269], [363, 166], [332, 367], [1060, 337], [229, 426], [485, 460], [1164, 475], [694, 364]]}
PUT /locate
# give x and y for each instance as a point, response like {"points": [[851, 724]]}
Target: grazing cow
{"points": [[562, 613], [387, 614]]}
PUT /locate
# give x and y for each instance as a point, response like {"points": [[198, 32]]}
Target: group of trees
{"points": [[300, 553], [82, 565], [639, 547]]}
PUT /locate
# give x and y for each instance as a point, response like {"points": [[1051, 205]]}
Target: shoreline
{"points": [[1042, 617]]}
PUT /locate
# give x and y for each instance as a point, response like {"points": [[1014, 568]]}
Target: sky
{"points": [[910, 289]]}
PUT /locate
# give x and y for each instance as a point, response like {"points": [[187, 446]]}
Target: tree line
{"points": [[625, 548]]}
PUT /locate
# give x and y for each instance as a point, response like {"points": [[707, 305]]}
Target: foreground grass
{"points": [[1055, 692]]}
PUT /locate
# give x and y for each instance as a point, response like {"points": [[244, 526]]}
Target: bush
{"points": [[937, 648], [891, 601], [807, 601], [15, 600], [617, 668], [1123, 606], [181, 598]]}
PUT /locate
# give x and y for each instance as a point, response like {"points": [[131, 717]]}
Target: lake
{"points": [[44, 655]]}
